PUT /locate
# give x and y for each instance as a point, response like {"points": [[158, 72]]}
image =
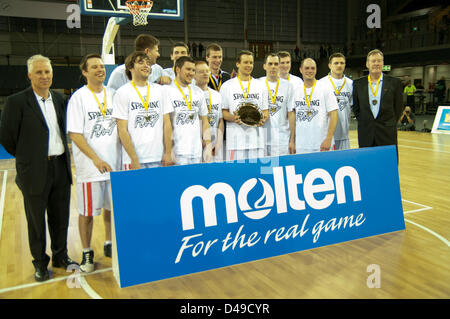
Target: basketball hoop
{"points": [[140, 11]]}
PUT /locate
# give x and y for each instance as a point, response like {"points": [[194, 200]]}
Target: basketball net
{"points": [[140, 11]]}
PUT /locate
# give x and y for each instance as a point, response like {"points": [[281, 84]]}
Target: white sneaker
{"points": [[87, 265]]}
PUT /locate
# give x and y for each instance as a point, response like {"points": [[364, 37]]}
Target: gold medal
{"points": [[242, 87], [308, 101], [374, 93], [189, 105], [273, 98], [335, 90], [144, 102], [104, 108], [191, 117]]}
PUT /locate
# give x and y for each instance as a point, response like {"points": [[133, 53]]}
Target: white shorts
{"points": [[185, 160], [92, 197], [233, 155], [342, 144], [127, 167], [218, 157], [277, 150]]}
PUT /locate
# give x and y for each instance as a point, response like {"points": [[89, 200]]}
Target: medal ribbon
{"points": [[214, 82], [274, 97], [210, 103], [308, 102], [103, 111], [189, 105], [242, 87], [335, 90], [145, 103], [371, 88]]}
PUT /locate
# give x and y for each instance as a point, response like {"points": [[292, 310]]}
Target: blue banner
{"points": [[173, 221], [444, 122]]}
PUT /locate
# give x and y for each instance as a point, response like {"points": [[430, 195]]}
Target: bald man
{"points": [[313, 114]]}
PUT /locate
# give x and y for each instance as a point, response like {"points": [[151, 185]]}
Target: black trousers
{"points": [[55, 199], [410, 101]]}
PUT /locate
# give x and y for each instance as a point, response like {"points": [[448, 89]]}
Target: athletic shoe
{"points": [[87, 265], [107, 249]]}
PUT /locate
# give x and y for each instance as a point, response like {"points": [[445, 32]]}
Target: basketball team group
{"points": [[147, 116]]}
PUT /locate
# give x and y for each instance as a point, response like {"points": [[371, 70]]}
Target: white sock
{"points": [[108, 242], [85, 250]]}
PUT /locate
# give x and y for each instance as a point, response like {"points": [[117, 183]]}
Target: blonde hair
{"points": [[36, 58], [373, 52]]}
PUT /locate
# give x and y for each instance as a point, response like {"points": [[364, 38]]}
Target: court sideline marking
{"points": [[91, 292], [355, 140], [424, 207], [445, 241], [81, 278]]}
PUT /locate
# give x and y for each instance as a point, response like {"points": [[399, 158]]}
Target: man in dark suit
{"points": [[33, 131], [377, 104]]}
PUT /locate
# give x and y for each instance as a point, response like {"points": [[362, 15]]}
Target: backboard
{"points": [[162, 9]]}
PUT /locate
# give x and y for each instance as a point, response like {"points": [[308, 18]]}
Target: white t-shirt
{"points": [[215, 114], [311, 124], [277, 127], [242, 137], [118, 77], [100, 132], [186, 123], [345, 101], [295, 81], [169, 72], [145, 127]]}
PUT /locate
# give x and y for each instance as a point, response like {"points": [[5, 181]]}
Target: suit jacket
{"points": [[381, 130], [24, 134]]}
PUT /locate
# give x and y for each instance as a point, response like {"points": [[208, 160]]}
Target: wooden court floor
{"points": [[414, 263]]}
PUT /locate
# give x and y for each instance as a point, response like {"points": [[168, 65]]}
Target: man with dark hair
{"points": [[150, 45], [143, 120], [377, 104], [96, 151], [179, 49], [214, 57], [32, 130], [342, 87], [190, 111], [280, 94], [285, 68], [243, 141], [313, 114]]}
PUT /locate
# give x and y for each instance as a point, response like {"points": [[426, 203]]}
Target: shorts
{"points": [[277, 150], [233, 155], [127, 167], [217, 158], [186, 160], [92, 197], [342, 144]]}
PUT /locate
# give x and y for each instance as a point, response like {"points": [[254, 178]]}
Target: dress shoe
{"points": [[63, 263], [41, 274]]}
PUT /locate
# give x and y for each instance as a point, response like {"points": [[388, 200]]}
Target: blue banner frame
{"points": [[173, 221]]}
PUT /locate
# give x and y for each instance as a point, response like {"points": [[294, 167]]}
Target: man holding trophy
{"points": [[245, 110]]}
